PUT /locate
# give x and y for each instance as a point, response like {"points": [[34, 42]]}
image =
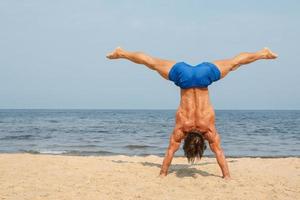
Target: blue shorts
{"points": [[187, 76]]}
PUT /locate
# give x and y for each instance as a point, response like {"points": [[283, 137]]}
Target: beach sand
{"points": [[28, 176]]}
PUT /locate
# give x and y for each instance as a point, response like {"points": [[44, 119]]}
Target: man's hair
{"points": [[194, 146]]}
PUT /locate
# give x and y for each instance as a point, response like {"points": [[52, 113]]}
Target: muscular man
{"points": [[195, 117]]}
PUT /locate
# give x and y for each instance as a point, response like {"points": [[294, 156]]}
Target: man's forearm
{"points": [[223, 164], [173, 147], [166, 163]]}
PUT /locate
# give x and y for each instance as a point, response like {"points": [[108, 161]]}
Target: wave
{"points": [[24, 137], [100, 152], [53, 121], [97, 131], [29, 151], [99, 126], [64, 152], [17, 137], [108, 153], [136, 146], [87, 131], [82, 146], [54, 152]]}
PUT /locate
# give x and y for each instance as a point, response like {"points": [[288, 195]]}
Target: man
{"points": [[195, 117]]}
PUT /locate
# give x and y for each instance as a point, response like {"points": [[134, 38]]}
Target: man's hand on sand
{"points": [[227, 178]]}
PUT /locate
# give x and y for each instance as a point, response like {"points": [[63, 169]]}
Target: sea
{"points": [[244, 133]]}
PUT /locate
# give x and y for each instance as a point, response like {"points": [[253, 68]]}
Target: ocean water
{"points": [[143, 132]]}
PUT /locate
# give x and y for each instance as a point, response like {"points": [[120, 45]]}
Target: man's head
{"points": [[194, 146]]}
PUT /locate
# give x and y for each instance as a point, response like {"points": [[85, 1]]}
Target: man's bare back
{"points": [[195, 112]]}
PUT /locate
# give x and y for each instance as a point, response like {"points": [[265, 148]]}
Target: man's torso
{"points": [[195, 112]]}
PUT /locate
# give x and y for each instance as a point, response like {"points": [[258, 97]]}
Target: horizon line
{"points": [[243, 109]]}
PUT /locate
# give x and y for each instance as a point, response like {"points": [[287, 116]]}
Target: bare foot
{"points": [[268, 54], [115, 54]]}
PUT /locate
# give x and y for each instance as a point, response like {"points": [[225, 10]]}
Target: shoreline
{"points": [[145, 155], [39, 176]]}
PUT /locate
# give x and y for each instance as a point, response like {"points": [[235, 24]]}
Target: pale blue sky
{"points": [[52, 53]]}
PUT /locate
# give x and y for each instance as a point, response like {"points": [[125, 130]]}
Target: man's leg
{"points": [[161, 66], [225, 66]]}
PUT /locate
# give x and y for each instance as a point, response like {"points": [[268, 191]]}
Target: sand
{"points": [[28, 176]]}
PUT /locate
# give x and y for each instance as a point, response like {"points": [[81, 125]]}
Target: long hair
{"points": [[194, 146]]}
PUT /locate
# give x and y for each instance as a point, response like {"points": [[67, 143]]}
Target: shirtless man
{"points": [[195, 117]]}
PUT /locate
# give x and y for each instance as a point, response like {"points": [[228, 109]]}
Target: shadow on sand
{"points": [[180, 170]]}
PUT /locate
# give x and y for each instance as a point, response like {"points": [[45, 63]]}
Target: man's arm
{"points": [[174, 145], [215, 146]]}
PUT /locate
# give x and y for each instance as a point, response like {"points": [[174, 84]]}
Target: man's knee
{"points": [[234, 63], [151, 62]]}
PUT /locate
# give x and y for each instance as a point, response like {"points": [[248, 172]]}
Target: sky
{"points": [[52, 53]]}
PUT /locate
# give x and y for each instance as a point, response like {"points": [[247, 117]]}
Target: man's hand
{"points": [[227, 178], [162, 175]]}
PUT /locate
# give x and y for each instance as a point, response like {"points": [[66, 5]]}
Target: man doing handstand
{"points": [[195, 117]]}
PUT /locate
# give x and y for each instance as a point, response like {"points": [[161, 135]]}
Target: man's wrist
{"points": [[163, 172]]}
